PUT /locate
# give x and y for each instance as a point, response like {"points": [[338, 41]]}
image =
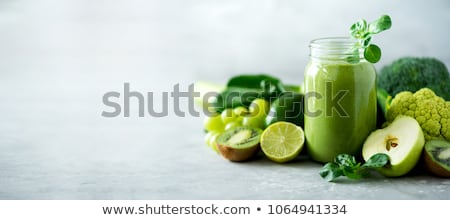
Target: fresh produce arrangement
{"points": [[236, 130], [258, 114]]}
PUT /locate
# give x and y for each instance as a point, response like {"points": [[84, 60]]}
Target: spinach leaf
{"points": [[251, 80], [243, 89]]}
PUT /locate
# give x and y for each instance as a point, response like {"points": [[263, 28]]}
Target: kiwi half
{"points": [[240, 143], [437, 157]]}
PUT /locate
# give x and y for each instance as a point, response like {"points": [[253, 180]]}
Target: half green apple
{"points": [[402, 141]]}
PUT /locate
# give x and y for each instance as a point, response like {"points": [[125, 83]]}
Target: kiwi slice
{"points": [[437, 157], [240, 143]]}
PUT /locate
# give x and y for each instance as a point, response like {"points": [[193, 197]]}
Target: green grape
{"points": [[254, 122], [211, 138], [213, 123], [239, 120], [240, 111], [232, 124], [228, 115], [208, 137], [259, 109]]}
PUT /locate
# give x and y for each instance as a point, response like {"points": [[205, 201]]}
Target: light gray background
{"points": [[57, 59]]}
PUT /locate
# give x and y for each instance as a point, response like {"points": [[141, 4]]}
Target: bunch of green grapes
{"points": [[230, 118]]}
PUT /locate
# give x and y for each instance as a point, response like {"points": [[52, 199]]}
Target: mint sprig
{"points": [[346, 165], [363, 32]]}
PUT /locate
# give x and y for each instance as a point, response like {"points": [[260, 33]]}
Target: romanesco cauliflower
{"points": [[431, 111]]}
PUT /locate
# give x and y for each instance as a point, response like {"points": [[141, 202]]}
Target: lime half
{"points": [[282, 141]]}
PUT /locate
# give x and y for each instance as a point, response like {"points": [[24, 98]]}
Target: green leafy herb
{"points": [[241, 90], [372, 53], [346, 165], [362, 32], [377, 161]]}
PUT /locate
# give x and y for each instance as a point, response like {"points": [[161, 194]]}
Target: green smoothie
{"points": [[340, 107]]}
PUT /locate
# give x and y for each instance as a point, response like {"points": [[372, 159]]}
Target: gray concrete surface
{"points": [[58, 58]]}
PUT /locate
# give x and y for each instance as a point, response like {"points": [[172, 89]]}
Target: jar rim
{"points": [[335, 49], [333, 43]]}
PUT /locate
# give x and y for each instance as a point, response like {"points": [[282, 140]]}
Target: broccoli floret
{"points": [[412, 74]]}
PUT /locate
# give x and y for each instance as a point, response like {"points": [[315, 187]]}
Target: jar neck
{"points": [[339, 49]]}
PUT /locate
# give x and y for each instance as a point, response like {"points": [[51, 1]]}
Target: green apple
{"points": [[402, 141]]}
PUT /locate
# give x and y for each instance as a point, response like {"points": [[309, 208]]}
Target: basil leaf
{"points": [[346, 165], [352, 172], [383, 23], [372, 53], [358, 29], [345, 160], [362, 32], [377, 161], [366, 42], [330, 172]]}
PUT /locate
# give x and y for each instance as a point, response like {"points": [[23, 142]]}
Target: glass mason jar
{"points": [[341, 100]]}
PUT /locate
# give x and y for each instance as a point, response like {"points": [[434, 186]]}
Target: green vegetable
{"points": [[429, 110], [241, 90], [413, 73], [252, 81], [288, 107], [293, 88], [346, 165], [372, 53], [362, 32], [248, 84], [383, 102]]}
